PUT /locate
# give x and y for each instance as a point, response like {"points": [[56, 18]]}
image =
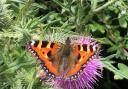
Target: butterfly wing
{"points": [[45, 52], [80, 56], [51, 57]]}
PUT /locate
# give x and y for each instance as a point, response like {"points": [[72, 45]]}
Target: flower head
{"points": [[88, 77], [92, 70], [89, 73]]}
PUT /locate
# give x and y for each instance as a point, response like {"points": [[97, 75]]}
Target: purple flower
{"points": [[88, 76], [86, 40], [92, 70]]}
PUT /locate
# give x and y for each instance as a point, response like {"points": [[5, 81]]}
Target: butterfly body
{"points": [[62, 60]]}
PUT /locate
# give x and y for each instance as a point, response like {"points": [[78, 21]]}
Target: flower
{"points": [[86, 40], [92, 70], [86, 80]]}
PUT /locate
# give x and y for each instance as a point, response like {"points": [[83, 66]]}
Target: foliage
{"points": [[105, 20]]}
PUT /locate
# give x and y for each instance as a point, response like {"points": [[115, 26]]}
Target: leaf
{"points": [[120, 73], [42, 6], [60, 3], [97, 27], [105, 41], [112, 48], [123, 69], [122, 22], [14, 68]]}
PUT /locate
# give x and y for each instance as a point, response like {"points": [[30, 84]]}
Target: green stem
{"points": [[104, 6], [93, 4]]}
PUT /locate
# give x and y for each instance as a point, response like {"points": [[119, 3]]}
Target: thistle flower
{"points": [[86, 40], [87, 77], [92, 70]]}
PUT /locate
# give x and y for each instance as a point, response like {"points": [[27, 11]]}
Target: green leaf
{"points": [[123, 22], [113, 48], [123, 69], [105, 41], [14, 68], [120, 73], [42, 6]]}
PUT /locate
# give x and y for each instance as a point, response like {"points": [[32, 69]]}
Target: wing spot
{"points": [[43, 52], [44, 44], [36, 43], [78, 47], [52, 45], [85, 47], [91, 48], [49, 54]]}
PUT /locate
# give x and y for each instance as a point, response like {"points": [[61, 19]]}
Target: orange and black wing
{"points": [[80, 56], [45, 50]]}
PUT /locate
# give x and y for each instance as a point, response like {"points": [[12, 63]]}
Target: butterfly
{"points": [[61, 60]]}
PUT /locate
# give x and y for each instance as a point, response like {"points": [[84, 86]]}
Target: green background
{"points": [[20, 20]]}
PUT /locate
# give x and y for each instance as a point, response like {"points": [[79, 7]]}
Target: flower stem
{"points": [[104, 6]]}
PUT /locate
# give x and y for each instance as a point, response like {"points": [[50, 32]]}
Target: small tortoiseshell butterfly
{"points": [[61, 60]]}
